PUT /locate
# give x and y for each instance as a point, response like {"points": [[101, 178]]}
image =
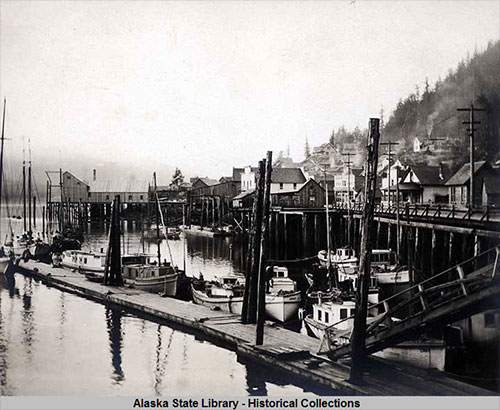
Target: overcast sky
{"points": [[145, 86]]}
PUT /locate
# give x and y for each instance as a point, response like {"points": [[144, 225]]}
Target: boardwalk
{"points": [[283, 349]]}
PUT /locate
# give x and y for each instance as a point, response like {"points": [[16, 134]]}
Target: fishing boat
{"points": [[91, 261], [226, 293], [337, 311], [345, 259], [385, 268], [152, 278]]}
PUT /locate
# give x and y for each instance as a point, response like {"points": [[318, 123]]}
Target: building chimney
{"points": [[441, 177], [94, 174]]}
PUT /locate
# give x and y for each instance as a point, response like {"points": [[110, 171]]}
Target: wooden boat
{"points": [[91, 261], [282, 298], [391, 275], [337, 312], [151, 278], [207, 231], [385, 268], [345, 258]]}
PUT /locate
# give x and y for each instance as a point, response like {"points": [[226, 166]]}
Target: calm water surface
{"points": [[56, 343]]}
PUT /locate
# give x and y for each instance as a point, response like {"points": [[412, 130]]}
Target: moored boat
{"points": [[151, 278], [226, 293], [345, 258]]}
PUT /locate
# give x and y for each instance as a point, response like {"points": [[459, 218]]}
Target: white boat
{"points": [[91, 261], [151, 278], [226, 293], [328, 313], [282, 298], [337, 313], [392, 275], [385, 268], [345, 259], [84, 261]]}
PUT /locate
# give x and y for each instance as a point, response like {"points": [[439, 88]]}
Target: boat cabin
{"points": [[345, 253], [383, 257], [281, 282], [226, 286], [329, 313]]}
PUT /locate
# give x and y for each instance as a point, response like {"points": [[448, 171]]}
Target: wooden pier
{"points": [[282, 350]]}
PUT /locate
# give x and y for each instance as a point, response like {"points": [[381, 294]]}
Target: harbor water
{"points": [[56, 343]]}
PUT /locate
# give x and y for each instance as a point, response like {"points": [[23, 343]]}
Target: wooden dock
{"points": [[283, 349]]}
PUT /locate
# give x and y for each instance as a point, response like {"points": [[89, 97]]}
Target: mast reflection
{"points": [[114, 326]]}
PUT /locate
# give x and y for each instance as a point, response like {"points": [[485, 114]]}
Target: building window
{"points": [[77, 183], [88, 194], [319, 314], [281, 185], [141, 197], [343, 313], [68, 178], [327, 317], [294, 185], [130, 197], [107, 196], [453, 195]]}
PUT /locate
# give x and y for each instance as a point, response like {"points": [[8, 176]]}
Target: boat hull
{"points": [[278, 307], [162, 284], [384, 278]]}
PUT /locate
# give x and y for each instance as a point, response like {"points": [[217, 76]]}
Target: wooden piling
{"points": [[261, 307], [359, 329]]}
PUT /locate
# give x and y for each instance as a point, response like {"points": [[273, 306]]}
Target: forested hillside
{"points": [[431, 115], [432, 112]]}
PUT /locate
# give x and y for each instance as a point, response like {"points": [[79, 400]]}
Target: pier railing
{"points": [[451, 295], [438, 211]]}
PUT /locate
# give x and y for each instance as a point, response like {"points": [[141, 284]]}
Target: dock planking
{"points": [[283, 349]]}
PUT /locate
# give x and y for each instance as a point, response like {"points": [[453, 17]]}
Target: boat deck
{"points": [[283, 349]]}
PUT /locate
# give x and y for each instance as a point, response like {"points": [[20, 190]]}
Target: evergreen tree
{"points": [[332, 138], [177, 178], [307, 150]]}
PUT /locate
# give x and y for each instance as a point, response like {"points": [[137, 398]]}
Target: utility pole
{"points": [[389, 154], [358, 346], [471, 130], [348, 163]]}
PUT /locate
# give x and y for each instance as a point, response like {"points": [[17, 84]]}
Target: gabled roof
{"points": [[299, 188], [244, 194], [428, 175], [207, 181], [288, 176], [78, 179], [225, 179], [462, 175], [237, 174], [119, 186]]}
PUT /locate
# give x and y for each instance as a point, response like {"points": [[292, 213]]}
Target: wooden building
{"points": [[130, 191], [308, 195], [484, 182]]}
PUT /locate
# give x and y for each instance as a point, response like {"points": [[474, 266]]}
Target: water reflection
{"points": [[114, 327], [4, 353], [27, 321], [62, 317]]}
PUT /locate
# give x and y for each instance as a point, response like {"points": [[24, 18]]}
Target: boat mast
{"points": [[24, 191], [157, 217], [1, 152], [29, 188]]}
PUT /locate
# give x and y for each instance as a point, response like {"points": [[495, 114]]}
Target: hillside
{"points": [[433, 114]]}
